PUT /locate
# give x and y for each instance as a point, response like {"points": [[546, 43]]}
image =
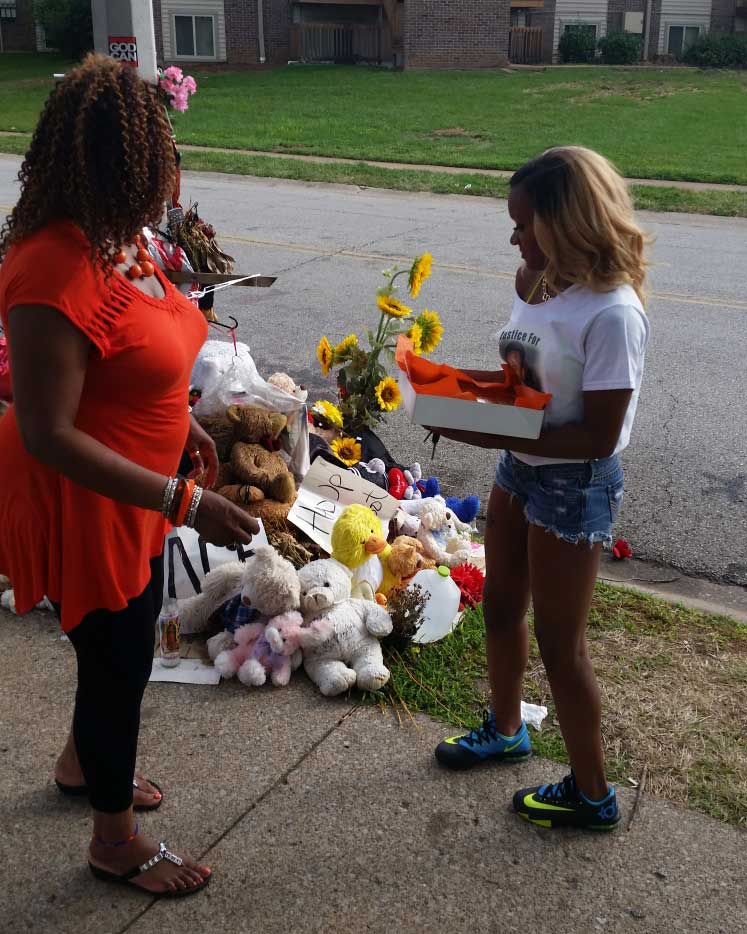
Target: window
{"points": [[681, 38], [194, 36], [589, 29]]}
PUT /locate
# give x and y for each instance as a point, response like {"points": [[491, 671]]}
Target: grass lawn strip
{"points": [[721, 203], [671, 123], [673, 685]]}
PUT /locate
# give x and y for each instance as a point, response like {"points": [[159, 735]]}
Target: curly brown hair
{"points": [[102, 156]]}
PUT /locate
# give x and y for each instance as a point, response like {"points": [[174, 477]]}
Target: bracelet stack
{"points": [[181, 499]]}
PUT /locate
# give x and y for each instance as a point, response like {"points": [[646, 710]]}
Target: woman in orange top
{"points": [[101, 349]]}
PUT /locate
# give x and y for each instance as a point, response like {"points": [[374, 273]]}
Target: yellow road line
{"points": [[460, 268], [449, 267]]}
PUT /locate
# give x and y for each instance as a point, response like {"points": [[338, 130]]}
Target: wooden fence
{"points": [[333, 42], [525, 45]]}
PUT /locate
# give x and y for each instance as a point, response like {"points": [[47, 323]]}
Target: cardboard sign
{"points": [[124, 49], [326, 491], [187, 558]]}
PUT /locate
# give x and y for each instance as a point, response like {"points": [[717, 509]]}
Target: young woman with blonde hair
{"points": [[578, 316]]}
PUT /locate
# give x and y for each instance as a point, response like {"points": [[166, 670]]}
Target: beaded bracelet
{"points": [[128, 839], [191, 516], [184, 503]]}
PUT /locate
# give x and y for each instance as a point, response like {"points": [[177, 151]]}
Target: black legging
{"points": [[115, 657]]}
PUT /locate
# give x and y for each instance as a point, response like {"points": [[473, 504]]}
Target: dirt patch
{"points": [[673, 701], [455, 132]]}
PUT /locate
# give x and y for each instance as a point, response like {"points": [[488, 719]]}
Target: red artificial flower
{"points": [[621, 550], [470, 580]]}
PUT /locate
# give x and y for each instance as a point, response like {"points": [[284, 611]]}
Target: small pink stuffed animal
{"points": [[229, 661], [276, 652]]}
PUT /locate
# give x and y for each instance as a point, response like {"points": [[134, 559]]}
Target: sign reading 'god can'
{"points": [[124, 49]]}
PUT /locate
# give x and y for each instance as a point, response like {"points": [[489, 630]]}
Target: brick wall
{"points": [[546, 19], [158, 30], [457, 33], [19, 34], [242, 44], [653, 42], [722, 15]]}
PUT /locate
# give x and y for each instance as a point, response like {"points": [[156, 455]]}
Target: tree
{"points": [[68, 25]]}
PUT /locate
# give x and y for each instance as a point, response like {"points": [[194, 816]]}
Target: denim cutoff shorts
{"points": [[576, 502]]}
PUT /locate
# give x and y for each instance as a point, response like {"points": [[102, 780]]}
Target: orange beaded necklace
{"points": [[142, 268]]}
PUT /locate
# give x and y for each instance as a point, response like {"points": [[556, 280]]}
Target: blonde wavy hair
{"points": [[584, 221]]}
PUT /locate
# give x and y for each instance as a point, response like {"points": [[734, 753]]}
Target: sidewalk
{"points": [[326, 816]]}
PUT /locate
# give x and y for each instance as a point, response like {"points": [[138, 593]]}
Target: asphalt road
{"points": [[687, 466]]}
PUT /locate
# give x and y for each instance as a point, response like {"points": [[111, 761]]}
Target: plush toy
{"points": [[398, 484], [351, 653], [439, 535], [231, 659], [258, 478], [217, 588], [413, 476], [358, 542], [266, 583], [466, 509], [277, 652], [403, 562], [255, 425], [288, 384]]}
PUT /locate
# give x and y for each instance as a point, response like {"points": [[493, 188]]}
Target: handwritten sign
{"points": [[326, 491], [187, 558]]}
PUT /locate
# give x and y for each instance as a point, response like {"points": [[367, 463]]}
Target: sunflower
{"points": [[328, 411], [347, 450], [431, 330], [393, 306], [419, 272], [346, 345], [325, 355], [416, 336], [388, 394]]}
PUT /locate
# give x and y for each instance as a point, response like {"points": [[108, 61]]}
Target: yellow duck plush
{"points": [[358, 542]]}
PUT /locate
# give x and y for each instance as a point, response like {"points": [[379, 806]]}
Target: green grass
{"points": [[723, 203], [654, 123], [672, 683]]}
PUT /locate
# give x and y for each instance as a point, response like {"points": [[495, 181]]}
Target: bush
{"points": [[621, 48], [577, 45], [67, 24], [717, 52]]}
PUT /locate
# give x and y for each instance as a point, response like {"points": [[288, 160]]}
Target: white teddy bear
{"points": [[441, 535], [351, 654]]}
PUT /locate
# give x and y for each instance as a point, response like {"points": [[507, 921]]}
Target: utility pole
{"points": [[124, 30]]}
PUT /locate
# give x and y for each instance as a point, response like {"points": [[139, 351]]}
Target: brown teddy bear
{"points": [[402, 563], [260, 480]]}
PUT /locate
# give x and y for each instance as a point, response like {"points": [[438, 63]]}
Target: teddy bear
{"points": [[267, 583], [351, 653], [440, 534], [277, 651], [262, 483], [403, 562], [288, 384]]}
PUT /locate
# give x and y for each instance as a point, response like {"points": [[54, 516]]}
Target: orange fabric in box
{"points": [[440, 379]]}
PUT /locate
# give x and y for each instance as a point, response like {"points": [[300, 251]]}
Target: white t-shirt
{"points": [[578, 341]]}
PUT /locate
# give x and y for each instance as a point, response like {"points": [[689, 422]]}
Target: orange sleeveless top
{"points": [[58, 539]]}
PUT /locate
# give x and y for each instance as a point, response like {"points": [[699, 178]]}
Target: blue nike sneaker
{"points": [[563, 804], [484, 744]]}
